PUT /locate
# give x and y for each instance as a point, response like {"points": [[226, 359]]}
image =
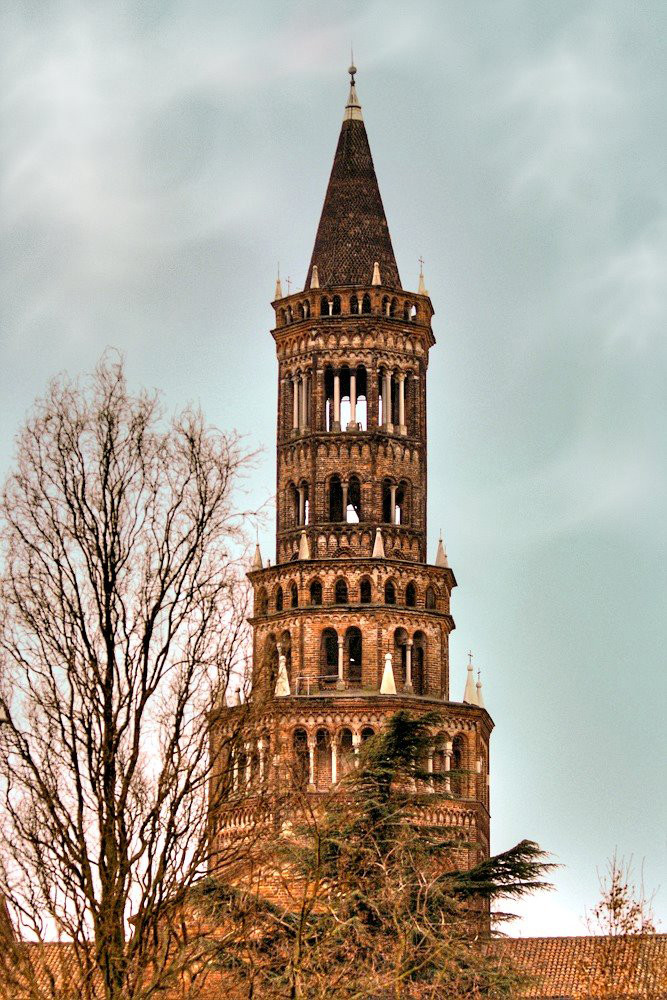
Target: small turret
{"points": [[470, 693], [441, 554]]}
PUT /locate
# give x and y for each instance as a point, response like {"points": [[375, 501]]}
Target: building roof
{"points": [[353, 233], [564, 968]]}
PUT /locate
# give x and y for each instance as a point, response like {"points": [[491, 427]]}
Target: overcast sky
{"points": [[158, 158]]}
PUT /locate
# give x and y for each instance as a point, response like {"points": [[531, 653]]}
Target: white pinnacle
{"points": [[257, 559], [378, 545], [388, 685], [441, 555], [282, 682], [480, 700], [470, 693], [376, 280], [304, 547]]}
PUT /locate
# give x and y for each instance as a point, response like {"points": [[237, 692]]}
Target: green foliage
{"points": [[387, 907]]}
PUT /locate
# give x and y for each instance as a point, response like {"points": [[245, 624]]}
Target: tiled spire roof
{"points": [[353, 233]]}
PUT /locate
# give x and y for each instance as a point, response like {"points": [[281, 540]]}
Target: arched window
{"points": [[345, 752], [329, 656], [304, 508], [406, 311], [430, 599], [362, 398], [354, 305], [270, 662], [366, 733], [285, 649], [294, 595], [279, 598], [301, 764], [293, 504], [410, 595], [366, 303], [400, 652], [306, 309], [418, 663], [353, 512], [340, 592], [316, 593], [457, 777], [324, 306], [322, 759], [335, 499], [385, 305], [365, 591], [393, 308], [262, 602], [386, 502], [335, 310], [401, 512], [302, 311], [241, 769], [389, 592], [354, 654]]}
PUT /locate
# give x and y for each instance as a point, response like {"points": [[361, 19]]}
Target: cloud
{"points": [[633, 291]]}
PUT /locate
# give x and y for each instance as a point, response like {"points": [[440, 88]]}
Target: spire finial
{"points": [[278, 294], [352, 108], [421, 288], [470, 693], [353, 69]]}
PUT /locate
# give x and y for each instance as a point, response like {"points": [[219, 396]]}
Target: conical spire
{"points": [[378, 545], [388, 685], [470, 693], [441, 555], [257, 559], [353, 233], [480, 700]]}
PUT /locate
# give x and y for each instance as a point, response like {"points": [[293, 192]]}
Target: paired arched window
{"points": [[340, 592], [262, 601], [419, 663], [354, 645], [329, 656], [457, 777], [353, 511], [316, 593], [323, 769], [335, 499], [300, 762]]}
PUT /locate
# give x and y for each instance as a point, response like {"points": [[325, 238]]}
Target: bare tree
{"points": [[623, 960], [122, 620]]}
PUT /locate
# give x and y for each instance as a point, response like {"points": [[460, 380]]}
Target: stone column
{"points": [[262, 762], [402, 429], [429, 768], [302, 505], [295, 402], [340, 683], [448, 765], [356, 741], [334, 762], [408, 666], [393, 502], [248, 767], [386, 401], [336, 402], [311, 761], [352, 426], [344, 488], [235, 774], [304, 400]]}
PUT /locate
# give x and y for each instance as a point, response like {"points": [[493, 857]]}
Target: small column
{"points": [[352, 426], [248, 767], [340, 683], [336, 402], [344, 489], [302, 505], [304, 401], [429, 768], [235, 774], [295, 401], [386, 402], [334, 762], [262, 762], [402, 429], [311, 762], [448, 765], [356, 742], [408, 666], [393, 503]]}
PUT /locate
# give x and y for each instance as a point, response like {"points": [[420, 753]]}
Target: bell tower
{"points": [[352, 622]]}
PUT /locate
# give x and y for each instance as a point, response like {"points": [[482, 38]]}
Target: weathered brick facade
{"points": [[352, 600]]}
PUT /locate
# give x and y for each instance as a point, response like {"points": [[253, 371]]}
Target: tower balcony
{"points": [[344, 302]]}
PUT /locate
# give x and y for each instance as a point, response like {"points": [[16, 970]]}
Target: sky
{"points": [[158, 159]]}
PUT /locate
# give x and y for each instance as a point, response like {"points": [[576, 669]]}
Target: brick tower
{"points": [[352, 623]]}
